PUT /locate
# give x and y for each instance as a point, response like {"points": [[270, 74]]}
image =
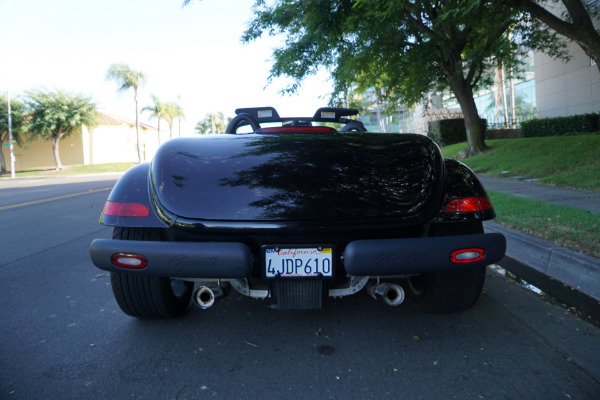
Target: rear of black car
{"points": [[297, 217]]}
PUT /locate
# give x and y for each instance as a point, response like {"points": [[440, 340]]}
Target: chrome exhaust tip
{"points": [[389, 293], [204, 297]]}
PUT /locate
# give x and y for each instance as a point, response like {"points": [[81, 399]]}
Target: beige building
{"points": [[566, 88], [112, 140]]}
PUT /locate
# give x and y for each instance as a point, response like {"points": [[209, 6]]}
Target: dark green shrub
{"points": [[561, 126], [449, 131]]}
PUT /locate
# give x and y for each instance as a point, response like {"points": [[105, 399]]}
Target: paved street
{"points": [[62, 335]]}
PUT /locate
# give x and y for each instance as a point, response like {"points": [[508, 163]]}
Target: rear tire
{"points": [[448, 291], [145, 296]]}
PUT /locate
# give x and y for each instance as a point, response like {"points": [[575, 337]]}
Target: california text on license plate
{"points": [[299, 262]]}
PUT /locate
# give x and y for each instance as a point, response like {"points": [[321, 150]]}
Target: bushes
{"points": [[449, 131], [561, 126]]}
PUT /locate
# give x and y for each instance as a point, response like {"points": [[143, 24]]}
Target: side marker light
{"points": [[129, 261], [464, 256]]}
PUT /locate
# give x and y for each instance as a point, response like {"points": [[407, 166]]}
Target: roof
{"points": [[105, 118]]}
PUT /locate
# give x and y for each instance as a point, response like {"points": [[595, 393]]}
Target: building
{"points": [[112, 140]]}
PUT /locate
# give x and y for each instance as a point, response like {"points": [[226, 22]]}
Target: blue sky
{"points": [[194, 53]]}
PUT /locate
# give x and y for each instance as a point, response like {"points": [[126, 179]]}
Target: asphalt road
{"points": [[62, 335]]}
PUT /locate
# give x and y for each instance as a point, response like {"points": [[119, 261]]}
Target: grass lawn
{"points": [[569, 227], [569, 161]]}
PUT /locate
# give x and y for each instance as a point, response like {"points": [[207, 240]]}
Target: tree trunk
{"points": [[137, 127], [55, 142], [513, 113], [503, 94], [2, 161], [159, 131], [473, 124]]}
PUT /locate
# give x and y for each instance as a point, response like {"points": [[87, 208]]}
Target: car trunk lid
{"points": [[293, 177]]}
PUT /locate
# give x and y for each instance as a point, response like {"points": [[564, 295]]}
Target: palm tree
{"points": [[128, 78], [173, 111], [156, 110], [180, 114], [213, 123]]}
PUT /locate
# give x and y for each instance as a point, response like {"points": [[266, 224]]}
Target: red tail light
{"points": [[129, 261], [464, 256], [469, 204], [118, 209], [296, 129]]}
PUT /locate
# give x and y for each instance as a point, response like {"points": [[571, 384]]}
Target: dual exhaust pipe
{"points": [[388, 293]]}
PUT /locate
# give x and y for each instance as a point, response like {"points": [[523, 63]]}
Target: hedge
{"points": [[449, 131], [561, 126]]}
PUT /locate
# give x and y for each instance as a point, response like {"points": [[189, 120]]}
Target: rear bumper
{"points": [[419, 255], [177, 259], [232, 260]]}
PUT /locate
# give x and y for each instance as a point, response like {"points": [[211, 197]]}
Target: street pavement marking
{"points": [[53, 199]]}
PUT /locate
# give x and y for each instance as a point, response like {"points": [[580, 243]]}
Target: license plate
{"points": [[299, 262]]}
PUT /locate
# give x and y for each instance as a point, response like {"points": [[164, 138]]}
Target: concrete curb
{"points": [[576, 270]]}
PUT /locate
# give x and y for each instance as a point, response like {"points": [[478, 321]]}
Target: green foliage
{"points": [[212, 123], [125, 77], [156, 110], [403, 48], [55, 115], [172, 111], [447, 132], [561, 126], [16, 115]]}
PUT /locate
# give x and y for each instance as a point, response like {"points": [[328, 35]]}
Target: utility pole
{"points": [[10, 138]]}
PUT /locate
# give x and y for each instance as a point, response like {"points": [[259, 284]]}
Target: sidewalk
{"points": [[578, 271], [585, 199]]}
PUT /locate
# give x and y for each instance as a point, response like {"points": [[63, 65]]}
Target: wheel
{"points": [[148, 296], [448, 291]]}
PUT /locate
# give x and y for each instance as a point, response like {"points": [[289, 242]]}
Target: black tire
{"points": [[448, 291], [148, 296]]}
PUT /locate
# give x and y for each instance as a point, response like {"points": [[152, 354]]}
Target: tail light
{"points": [[469, 205], [297, 129], [119, 209]]}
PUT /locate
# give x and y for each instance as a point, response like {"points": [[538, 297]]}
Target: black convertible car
{"points": [[293, 212]]}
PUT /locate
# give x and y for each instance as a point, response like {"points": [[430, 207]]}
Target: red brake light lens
{"points": [[469, 204], [297, 129], [118, 209]]}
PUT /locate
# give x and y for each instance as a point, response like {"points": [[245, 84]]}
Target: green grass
{"points": [[71, 170], [569, 161], [566, 226]]}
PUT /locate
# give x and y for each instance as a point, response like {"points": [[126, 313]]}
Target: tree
{"points": [[173, 111], [576, 23], [408, 47], [16, 113], [156, 110], [56, 115], [213, 123], [128, 78]]}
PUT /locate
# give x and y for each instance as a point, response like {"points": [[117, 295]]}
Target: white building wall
{"points": [[567, 88]]}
